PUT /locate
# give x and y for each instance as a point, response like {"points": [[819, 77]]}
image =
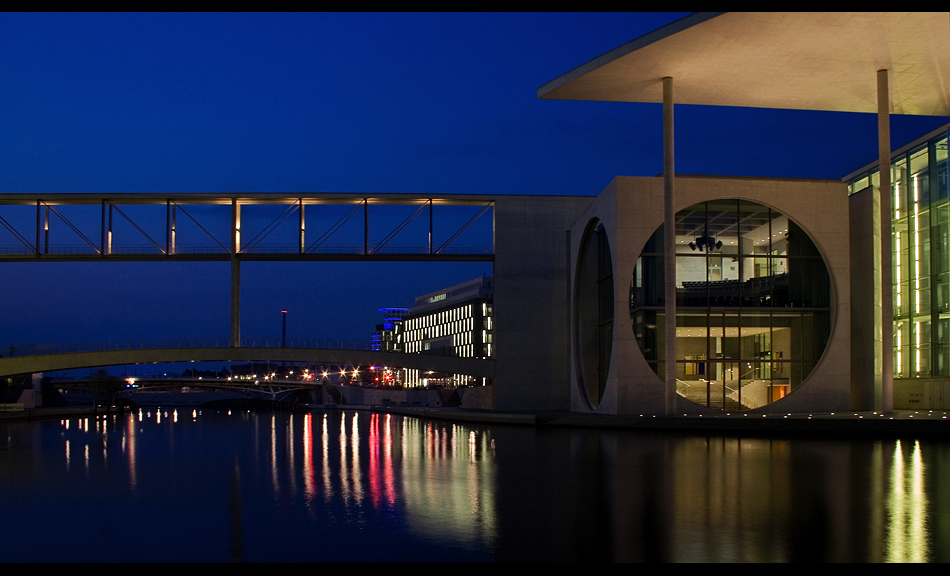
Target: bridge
{"points": [[208, 227], [50, 358], [524, 237]]}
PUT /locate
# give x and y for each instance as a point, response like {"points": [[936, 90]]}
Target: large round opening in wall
{"points": [[753, 304], [593, 312]]}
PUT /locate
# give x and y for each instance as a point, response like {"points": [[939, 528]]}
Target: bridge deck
{"points": [[477, 367]]}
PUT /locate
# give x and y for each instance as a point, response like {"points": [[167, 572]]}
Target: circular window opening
{"points": [[753, 304], [594, 312]]}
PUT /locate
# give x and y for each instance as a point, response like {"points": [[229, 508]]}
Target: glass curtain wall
{"points": [[753, 304], [920, 259]]}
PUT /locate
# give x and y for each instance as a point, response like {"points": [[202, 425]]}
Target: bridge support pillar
{"points": [[235, 273], [235, 302]]}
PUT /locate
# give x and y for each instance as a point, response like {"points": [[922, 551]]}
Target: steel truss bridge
{"points": [[186, 214]]}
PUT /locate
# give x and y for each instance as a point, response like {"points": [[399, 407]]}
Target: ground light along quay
{"points": [[684, 367]]}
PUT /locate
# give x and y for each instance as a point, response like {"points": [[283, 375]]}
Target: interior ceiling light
{"points": [[706, 243]]}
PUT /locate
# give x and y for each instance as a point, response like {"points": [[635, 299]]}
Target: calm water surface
{"points": [[214, 485]]}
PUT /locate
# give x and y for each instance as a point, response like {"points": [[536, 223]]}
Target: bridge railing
{"points": [[114, 345]]}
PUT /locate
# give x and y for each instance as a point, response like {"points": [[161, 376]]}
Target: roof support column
{"points": [[669, 248], [887, 303]]}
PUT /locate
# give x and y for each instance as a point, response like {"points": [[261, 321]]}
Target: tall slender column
{"points": [[887, 303], [235, 302], [669, 248], [39, 226], [303, 224], [174, 234], [109, 233], [235, 274], [103, 242], [170, 213]]}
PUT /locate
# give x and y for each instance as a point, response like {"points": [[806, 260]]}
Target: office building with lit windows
{"points": [[454, 321]]}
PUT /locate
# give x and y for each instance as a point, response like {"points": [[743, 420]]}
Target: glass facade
{"points": [[921, 255], [753, 304]]}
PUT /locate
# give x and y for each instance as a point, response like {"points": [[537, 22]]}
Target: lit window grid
{"points": [[468, 324], [921, 258], [419, 379]]}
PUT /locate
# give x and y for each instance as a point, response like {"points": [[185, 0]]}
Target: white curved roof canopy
{"points": [[805, 61]]}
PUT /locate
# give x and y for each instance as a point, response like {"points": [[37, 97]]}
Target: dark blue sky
{"points": [[374, 103]]}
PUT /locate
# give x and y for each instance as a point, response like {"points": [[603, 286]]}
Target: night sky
{"points": [[365, 103]]}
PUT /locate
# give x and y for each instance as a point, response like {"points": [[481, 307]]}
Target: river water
{"points": [[219, 485]]}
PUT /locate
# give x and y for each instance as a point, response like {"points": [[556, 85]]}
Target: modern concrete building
{"points": [[781, 290], [762, 296], [453, 321]]}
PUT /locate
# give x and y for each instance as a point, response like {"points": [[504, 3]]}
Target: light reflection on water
{"points": [[336, 486], [907, 504], [360, 486]]}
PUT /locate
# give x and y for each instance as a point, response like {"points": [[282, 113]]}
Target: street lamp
{"points": [[283, 343]]}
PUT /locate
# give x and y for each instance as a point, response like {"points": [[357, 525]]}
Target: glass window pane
{"points": [[902, 352], [756, 385], [722, 222], [942, 344], [941, 185], [860, 184], [691, 336], [754, 305], [920, 175], [691, 280]]}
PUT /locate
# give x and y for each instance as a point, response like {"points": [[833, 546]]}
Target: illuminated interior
{"points": [[753, 304], [921, 259]]}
